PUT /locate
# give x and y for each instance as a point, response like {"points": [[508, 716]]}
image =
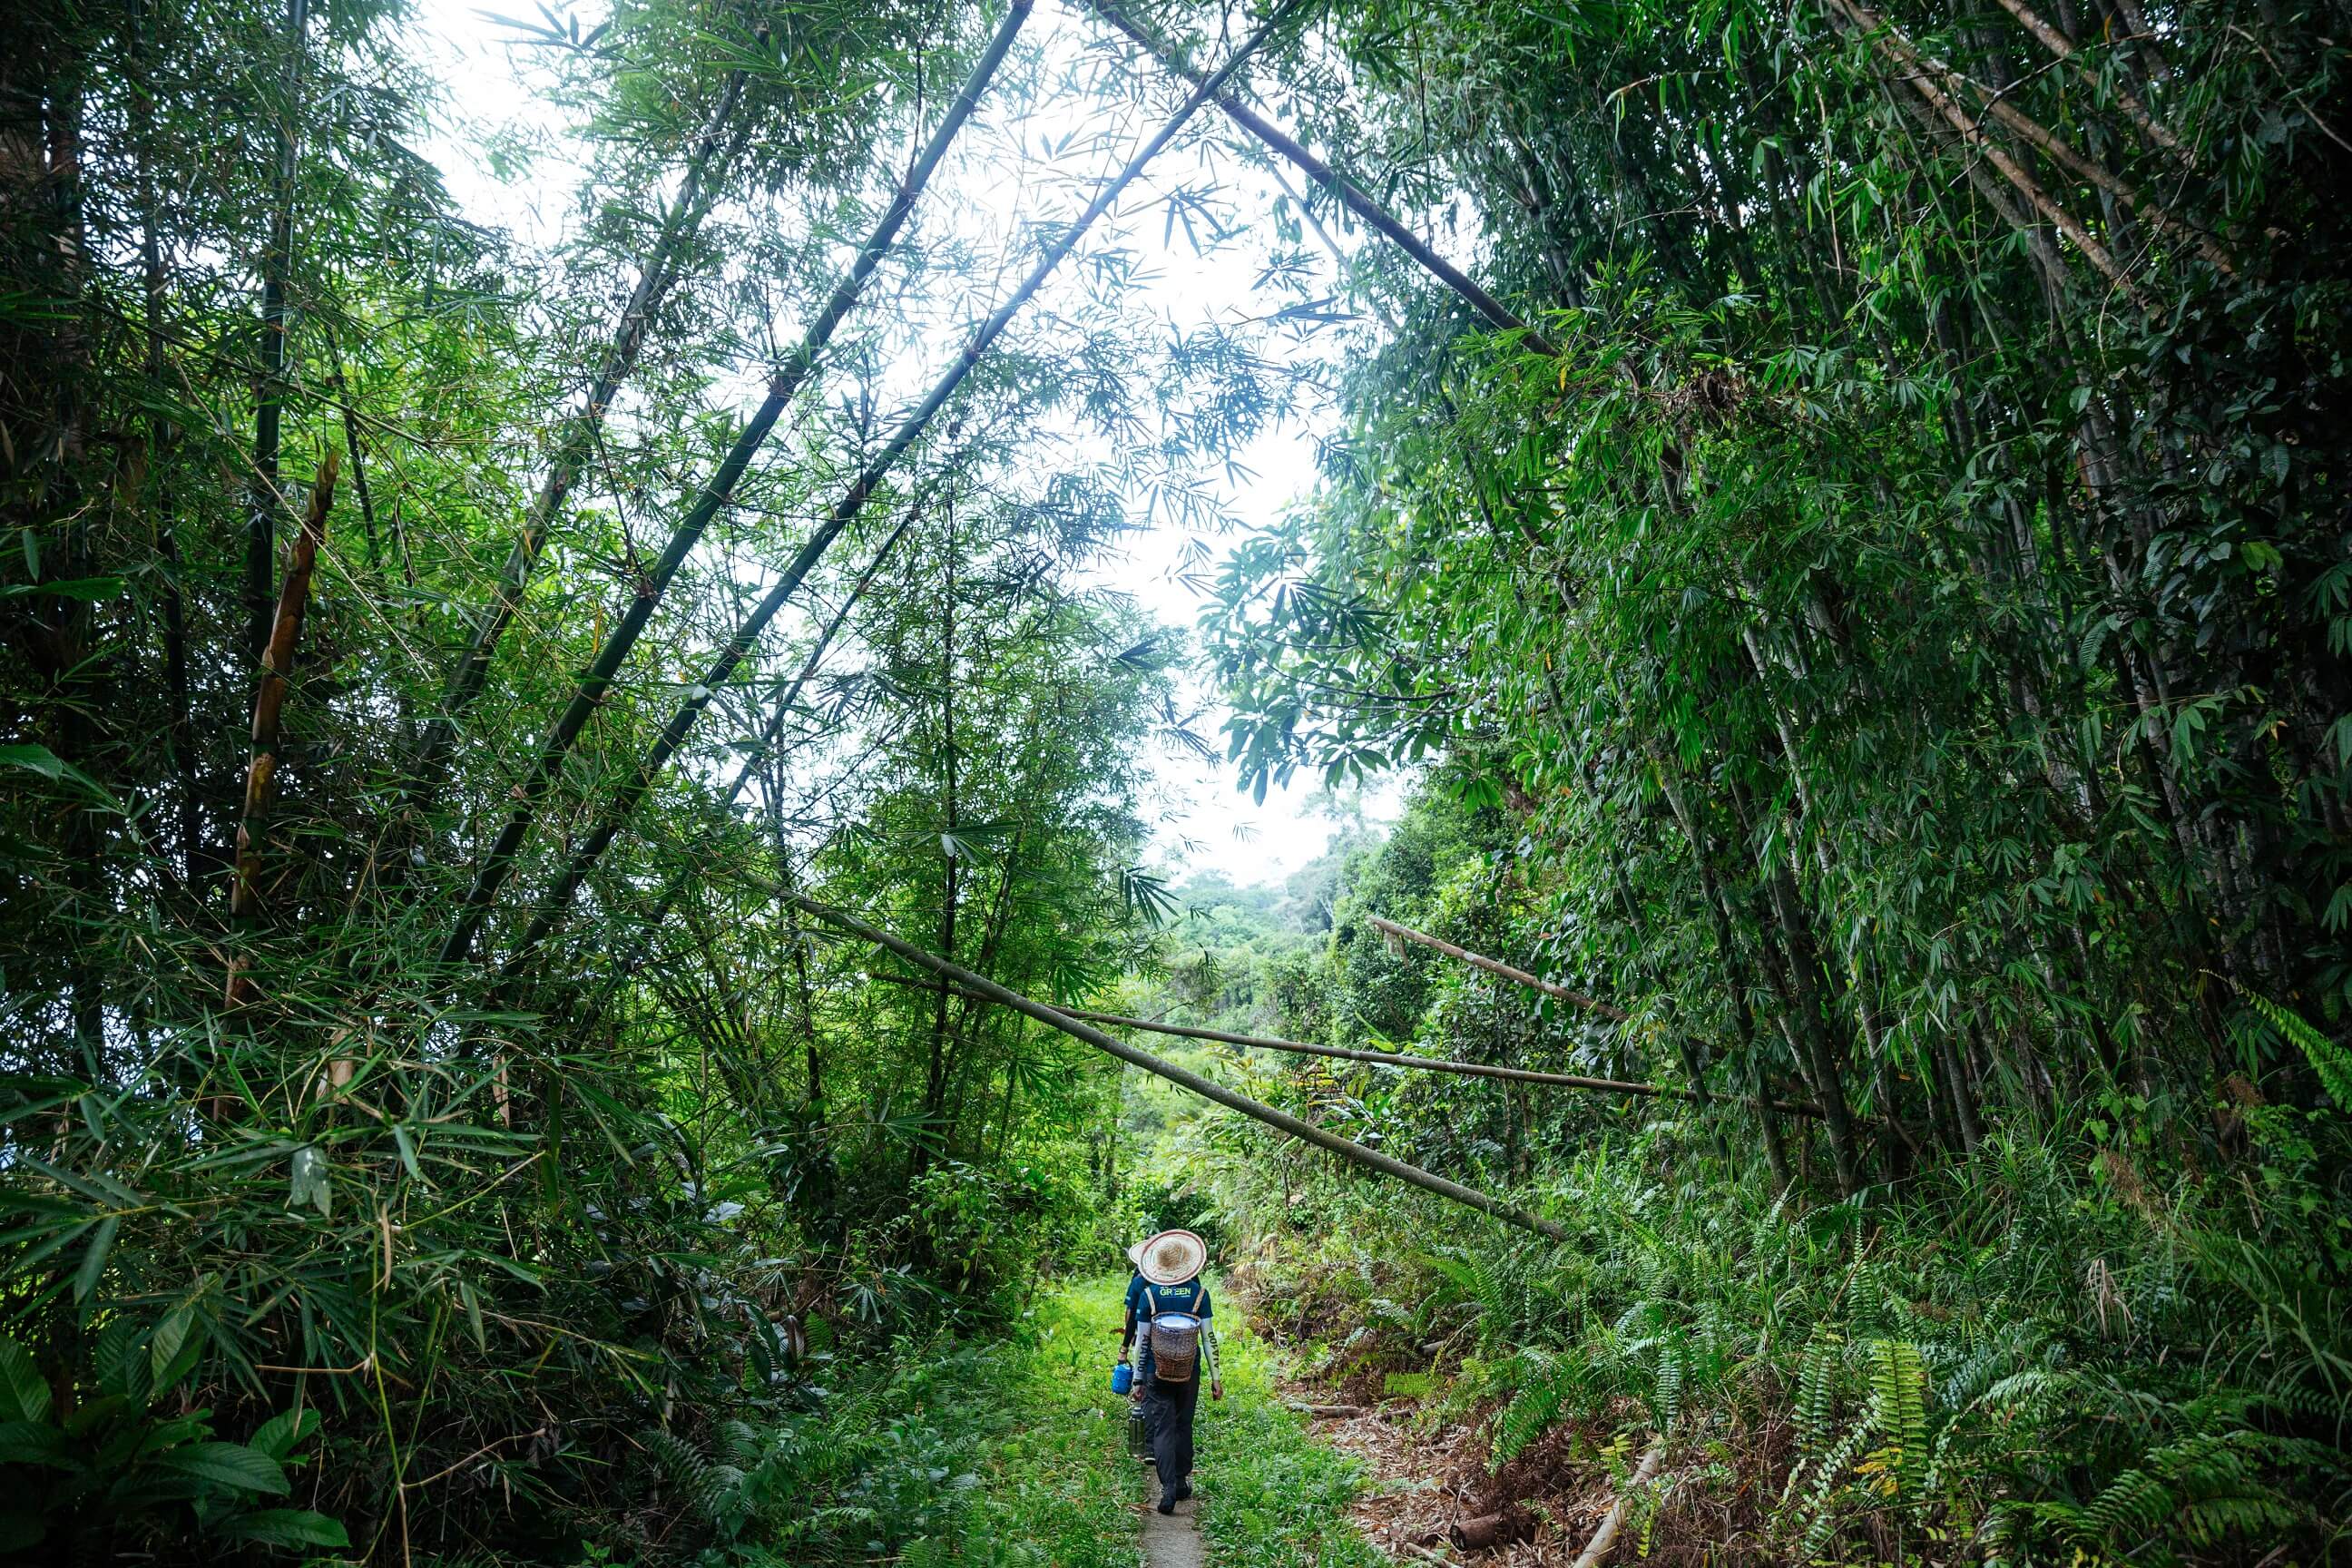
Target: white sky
{"points": [[1209, 824]]}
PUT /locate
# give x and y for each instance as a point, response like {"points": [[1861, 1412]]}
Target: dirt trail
{"points": [[1421, 1486]]}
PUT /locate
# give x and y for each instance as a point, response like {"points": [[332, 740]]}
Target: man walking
{"points": [[1169, 1332]]}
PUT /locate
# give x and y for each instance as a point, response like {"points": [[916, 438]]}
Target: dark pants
{"points": [[1168, 1421]]}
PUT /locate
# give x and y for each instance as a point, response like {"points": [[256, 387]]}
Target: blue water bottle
{"points": [[1122, 1378]]}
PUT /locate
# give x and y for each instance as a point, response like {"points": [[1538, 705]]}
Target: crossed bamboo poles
{"points": [[1209, 87], [594, 683], [956, 976], [589, 695], [1388, 1058]]}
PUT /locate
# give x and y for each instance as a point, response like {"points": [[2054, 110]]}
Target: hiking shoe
{"points": [[1167, 1504]]}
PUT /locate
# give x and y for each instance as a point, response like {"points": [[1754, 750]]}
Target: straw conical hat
{"points": [[1171, 1257], [1135, 1254]]}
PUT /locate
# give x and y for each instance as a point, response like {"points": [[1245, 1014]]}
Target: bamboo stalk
{"points": [[1207, 1088], [558, 902], [269, 708], [500, 861], [578, 439], [161, 438], [1350, 194], [1380, 1058], [2058, 43], [2058, 151], [2024, 184], [1492, 966], [261, 492], [352, 450], [589, 693]]}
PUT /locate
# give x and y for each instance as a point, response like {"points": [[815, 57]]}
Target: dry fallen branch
{"points": [[1606, 1536]]}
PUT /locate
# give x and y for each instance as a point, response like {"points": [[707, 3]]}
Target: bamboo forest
{"points": [[1646, 709]]}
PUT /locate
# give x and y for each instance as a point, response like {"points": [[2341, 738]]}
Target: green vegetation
{"points": [[1857, 585], [1272, 1496], [999, 1453], [2063, 1343]]}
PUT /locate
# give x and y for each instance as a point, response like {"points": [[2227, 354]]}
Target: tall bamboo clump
{"points": [[1912, 597]]}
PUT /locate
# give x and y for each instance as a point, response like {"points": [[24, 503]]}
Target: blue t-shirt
{"points": [[1145, 1298]]}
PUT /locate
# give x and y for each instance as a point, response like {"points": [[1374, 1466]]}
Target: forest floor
{"points": [[1425, 1481], [1426, 1492]]}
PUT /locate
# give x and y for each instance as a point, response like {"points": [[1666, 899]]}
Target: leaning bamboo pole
{"points": [[1492, 966], [1354, 198], [1207, 1088], [553, 912], [597, 680], [577, 437], [1377, 1058], [594, 685], [262, 500], [558, 902]]}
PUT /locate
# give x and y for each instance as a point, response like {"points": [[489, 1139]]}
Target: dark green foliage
{"points": [[566, 1251]]}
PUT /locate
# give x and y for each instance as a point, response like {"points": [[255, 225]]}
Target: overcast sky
{"points": [[1209, 824]]}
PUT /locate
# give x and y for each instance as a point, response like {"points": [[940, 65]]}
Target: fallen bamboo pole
{"points": [[1494, 966], [1381, 1058], [1606, 1536], [1207, 1088]]}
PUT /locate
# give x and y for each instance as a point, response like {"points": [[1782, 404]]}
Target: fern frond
{"points": [[1898, 1407], [1817, 1391], [2329, 1060]]}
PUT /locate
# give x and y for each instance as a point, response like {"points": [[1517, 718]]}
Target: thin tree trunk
{"points": [[663, 263], [950, 851], [1349, 195], [1561, 992], [179, 734], [359, 469]]}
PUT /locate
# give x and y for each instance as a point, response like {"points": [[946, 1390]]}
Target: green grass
{"points": [[1006, 1454], [1056, 1487], [1046, 1437]]}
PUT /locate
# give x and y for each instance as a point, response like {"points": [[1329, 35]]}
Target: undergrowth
{"points": [[1272, 1496], [1001, 1453], [2069, 1365]]}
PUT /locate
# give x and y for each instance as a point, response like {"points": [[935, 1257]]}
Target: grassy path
{"points": [[1058, 1487], [1048, 1447], [1271, 1495]]}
